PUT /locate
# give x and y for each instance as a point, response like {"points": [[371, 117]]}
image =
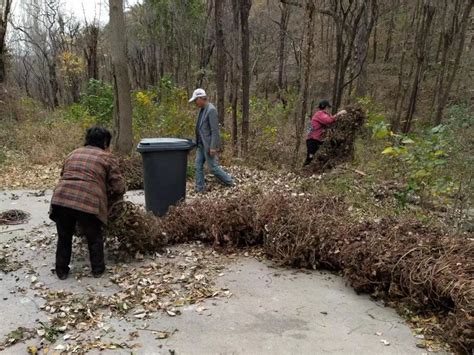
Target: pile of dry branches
{"points": [[397, 260], [339, 141], [131, 230], [132, 170]]}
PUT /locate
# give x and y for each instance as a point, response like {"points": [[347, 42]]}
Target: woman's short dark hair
{"points": [[98, 137], [323, 104]]}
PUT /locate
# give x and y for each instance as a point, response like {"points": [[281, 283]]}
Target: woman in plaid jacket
{"points": [[90, 178]]}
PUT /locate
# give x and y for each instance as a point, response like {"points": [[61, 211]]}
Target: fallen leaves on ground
{"points": [[29, 176], [180, 277]]}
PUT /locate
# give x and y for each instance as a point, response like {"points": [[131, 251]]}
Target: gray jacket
{"points": [[209, 128]]}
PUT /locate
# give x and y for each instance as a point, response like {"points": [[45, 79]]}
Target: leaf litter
{"points": [[179, 277]]}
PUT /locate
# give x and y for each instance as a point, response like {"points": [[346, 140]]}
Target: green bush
{"points": [[163, 112], [419, 162], [98, 101]]}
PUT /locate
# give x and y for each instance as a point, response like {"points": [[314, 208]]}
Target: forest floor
{"points": [[204, 302]]}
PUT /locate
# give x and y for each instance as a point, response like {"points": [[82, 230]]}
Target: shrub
{"points": [[98, 101], [419, 161]]}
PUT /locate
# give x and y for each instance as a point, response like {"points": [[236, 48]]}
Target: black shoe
{"points": [[61, 276], [98, 274]]}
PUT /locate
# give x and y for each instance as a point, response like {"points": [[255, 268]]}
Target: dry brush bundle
{"points": [[340, 138], [408, 262], [132, 170], [132, 230], [295, 227], [393, 259], [218, 221]]}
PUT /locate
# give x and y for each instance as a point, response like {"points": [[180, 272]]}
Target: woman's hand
{"points": [[340, 113]]}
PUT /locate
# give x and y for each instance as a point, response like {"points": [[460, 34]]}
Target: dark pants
{"points": [[66, 220], [312, 146]]}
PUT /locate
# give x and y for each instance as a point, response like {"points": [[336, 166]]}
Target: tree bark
{"points": [[369, 18], [391, 28], [235, 76], [245, 6], [221, 59], [4, 15], [53, 82], [420, 50], [122, 101], [307, 62], [90, 51], [283, 28]]}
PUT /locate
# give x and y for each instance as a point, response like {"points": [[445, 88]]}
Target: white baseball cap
{"points": [[198, 93]]}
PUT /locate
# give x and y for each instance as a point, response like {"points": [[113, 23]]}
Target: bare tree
{"points": [[308, 44], [369, 18], [283, 28], [221, 62], [455, 32], [90, 50], [423, 28], [347, 17], [245, 6], [5, 8], [234, 99], [43, 37], [122, 99]]}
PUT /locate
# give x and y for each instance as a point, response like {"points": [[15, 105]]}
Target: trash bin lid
{"points": [[161, 144]]}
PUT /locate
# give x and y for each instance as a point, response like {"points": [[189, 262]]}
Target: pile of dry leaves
{"points": [[397, 260], [340, 138]]}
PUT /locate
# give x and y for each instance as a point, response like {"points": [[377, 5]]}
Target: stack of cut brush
{"points": [[339, 140], [132, 170], [399, 260]]}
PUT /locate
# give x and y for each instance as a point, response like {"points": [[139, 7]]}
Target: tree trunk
{"points": [[283, 27], [4, 14], [245, 6], [53, 82], [221, 59], [369, 17], [235, 75], [122, 101], [90, 51], [420, 49], [375, 43], [391, 28], [444, 93], [307, 62]]}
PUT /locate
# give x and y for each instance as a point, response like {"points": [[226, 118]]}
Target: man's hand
{"points": [[213, 152]]}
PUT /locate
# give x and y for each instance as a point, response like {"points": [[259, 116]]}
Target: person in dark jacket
{"points": [[90, 179], [208, 141], [319, 122]]}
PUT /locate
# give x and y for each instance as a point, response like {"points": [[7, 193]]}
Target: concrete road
{"points": [[272, 310]]}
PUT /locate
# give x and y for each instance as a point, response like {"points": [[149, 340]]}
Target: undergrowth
{"points": [[426, 173]]}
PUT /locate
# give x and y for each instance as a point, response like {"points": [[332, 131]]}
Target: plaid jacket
{"points": [[90, 176]]}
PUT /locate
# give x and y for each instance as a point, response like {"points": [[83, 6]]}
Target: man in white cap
{"points": [[208, 141]]}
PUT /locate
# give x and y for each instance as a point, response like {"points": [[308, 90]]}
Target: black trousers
{"points": [[66, 221], [312, 146]]}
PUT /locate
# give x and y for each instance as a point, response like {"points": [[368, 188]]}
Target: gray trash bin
{"points": [[165, 163]]}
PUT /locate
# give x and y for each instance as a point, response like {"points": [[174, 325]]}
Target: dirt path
{"points": [[249, 307]]}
